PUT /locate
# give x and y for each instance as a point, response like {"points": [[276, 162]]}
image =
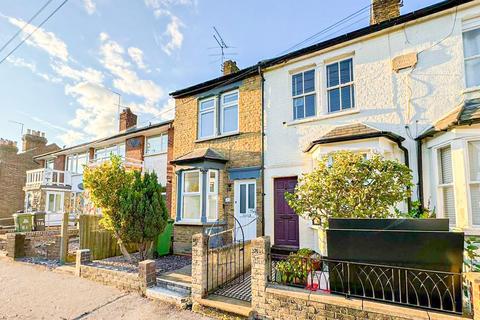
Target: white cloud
{"points": [[137, 56], [47, 41], [87, 74], [21, 63], [174, 34], [72, 137], [89, 6], [126, 79]]}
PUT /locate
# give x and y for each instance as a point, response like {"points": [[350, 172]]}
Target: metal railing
{"points": [[428, 289], [46, 176]]}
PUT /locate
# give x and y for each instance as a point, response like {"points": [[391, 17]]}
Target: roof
{"points": [[204, 154], [118, 135], [371, 29], [351, 132], [466, 114]]}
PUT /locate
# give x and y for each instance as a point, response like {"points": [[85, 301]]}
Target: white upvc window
{"points": [[156, 144], [229, 112], [446, 192], [471, 52], [207, 119], [50, 164], [104, 153], [54, 202], [76, 162], [212, 195], [191, 195], [474, 180], [303, 95], [340, 86]]}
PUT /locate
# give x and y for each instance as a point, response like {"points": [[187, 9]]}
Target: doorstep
{"points": [[229, 305], [163, 294]]}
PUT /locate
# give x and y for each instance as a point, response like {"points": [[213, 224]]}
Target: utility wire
{"points": [[26, 24], [31, 33]]}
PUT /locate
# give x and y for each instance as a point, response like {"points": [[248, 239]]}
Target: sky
{"points": [[66, 79]]}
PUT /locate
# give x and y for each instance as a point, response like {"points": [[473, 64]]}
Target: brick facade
{"points": [[13, 167], [383, 10], [134, 148], [242, 150]]}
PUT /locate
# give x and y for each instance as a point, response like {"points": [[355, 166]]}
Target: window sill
{"points": [[154, 154], [322, 117], [218, 137]]}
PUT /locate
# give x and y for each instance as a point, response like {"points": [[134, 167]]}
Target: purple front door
{"points": [[286, 220]]}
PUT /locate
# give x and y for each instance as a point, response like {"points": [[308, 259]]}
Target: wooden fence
{"points": [[101, 242]]}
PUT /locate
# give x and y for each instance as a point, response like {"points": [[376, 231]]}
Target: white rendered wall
{"points": [[157, 163]]}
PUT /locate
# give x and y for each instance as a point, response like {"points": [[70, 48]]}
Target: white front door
{"points": [[54, 209], [245, 194]]}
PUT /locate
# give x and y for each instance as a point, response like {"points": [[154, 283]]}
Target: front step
{"points": [[175, 286], [229, 305], [165, 295], [282, 252]]}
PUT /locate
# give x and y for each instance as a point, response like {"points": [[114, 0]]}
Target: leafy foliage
{"points": [[346, 185], [417, 212], [143, 211], [471, 252], [132, 205]]}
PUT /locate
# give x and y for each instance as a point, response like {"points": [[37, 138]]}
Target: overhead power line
{"points": [[31, 33], [26, 24]]}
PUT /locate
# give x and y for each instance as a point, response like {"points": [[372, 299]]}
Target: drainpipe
{"points": [[407, 163], [420, 174], [262, 166]]}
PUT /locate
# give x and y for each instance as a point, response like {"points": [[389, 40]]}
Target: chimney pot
{"points": [[229, 67], [33, 139], [384, 10], [127, 120]]}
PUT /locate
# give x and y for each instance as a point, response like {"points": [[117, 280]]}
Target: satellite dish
{"points": [[80, 186]]}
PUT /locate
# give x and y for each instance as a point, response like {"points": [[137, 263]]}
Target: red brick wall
{"points": [[134, 148], [59, 163]]}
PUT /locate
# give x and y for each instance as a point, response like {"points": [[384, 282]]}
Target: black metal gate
{"points": [[226, 272]]}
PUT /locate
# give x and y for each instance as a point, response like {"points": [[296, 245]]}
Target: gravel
{"points": [[164, 264], [50, 264]]}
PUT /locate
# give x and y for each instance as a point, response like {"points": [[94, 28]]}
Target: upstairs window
{"points": [[157, 144], [229, 107], [103, 154], [303, 94], [76, 162], [471, 51], [340, 90], [206, 118]]}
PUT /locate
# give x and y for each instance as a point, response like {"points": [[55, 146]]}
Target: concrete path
{"points": [[31, 292]]}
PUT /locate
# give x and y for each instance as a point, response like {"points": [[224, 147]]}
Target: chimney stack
{"points": [[127, 120], [229, 67], [384, 10], [33, 139]]}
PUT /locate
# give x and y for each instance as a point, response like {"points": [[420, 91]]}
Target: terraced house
{"points": [[217, 157], [57, 186]]}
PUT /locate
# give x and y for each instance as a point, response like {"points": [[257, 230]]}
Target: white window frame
{"points": [[75, 158], [303, 94], [183, 193], [247, 182], [56, 194], [469, 181], [440, 185], [116, 152], [339, 86], [227, 105], [214, 193], [469, 26], [200, 112], [48, 162], [162, 151]]}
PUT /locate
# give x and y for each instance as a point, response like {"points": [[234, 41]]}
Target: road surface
{"points": [[32, 292]]}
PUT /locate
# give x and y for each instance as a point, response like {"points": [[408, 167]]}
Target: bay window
{"points": [[474, 180], [191, 195], [303, 94], [340, 88], [445, 184], [193, 200]]}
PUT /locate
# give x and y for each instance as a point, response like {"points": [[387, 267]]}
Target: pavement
{"points": [[34, 292]]}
